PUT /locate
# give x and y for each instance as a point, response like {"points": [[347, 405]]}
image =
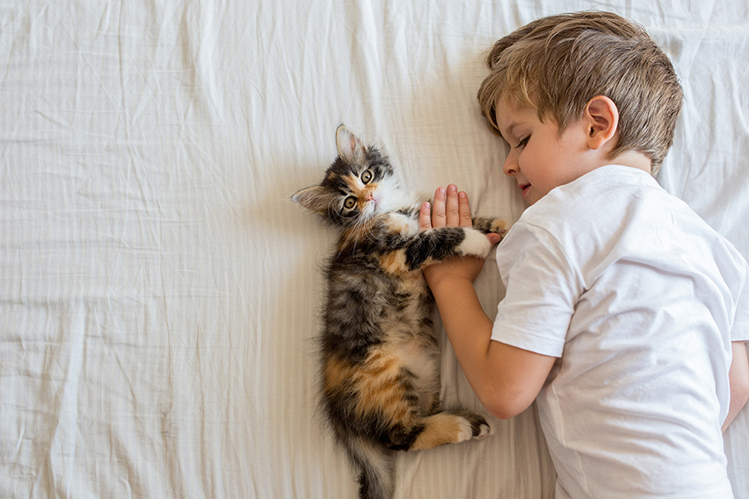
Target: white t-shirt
{"points": [[637, 295]]}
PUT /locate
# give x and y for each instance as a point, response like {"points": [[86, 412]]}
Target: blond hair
{"points": [[557, 64]]}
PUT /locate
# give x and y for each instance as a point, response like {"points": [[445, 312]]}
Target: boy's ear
{"points": [[602, 120]]}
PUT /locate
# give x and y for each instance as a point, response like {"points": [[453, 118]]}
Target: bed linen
{"points": [[160, 293]]}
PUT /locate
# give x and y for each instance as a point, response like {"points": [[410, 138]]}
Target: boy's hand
{"points": [[451, 209]]}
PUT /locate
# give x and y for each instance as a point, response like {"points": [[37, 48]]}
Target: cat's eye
{"points": [[349, 202], [366, 176]]}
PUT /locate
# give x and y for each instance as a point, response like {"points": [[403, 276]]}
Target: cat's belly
{"points": [[424, 363], [413, 343]]}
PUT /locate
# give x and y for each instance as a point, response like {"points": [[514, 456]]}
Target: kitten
{"points": [[380, 355]]}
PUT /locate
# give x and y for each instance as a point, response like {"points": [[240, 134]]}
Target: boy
{"points": [[620, 301]]}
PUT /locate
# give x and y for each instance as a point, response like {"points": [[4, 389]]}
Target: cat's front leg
{"points": [[437, 244], [490, 225], [474, 244]]}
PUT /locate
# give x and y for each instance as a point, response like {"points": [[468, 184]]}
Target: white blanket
{"points": [[160, 293]]}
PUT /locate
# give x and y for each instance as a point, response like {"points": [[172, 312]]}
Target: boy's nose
{"points": [[510, 166]]}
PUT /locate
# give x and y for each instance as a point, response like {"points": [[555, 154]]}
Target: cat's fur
{"points": [[380, 355]]}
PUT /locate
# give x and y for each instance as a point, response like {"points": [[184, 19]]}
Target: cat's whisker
{"points": [[368, 234], [345, 244]]}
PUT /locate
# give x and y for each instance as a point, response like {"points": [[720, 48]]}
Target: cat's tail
{"points": [[376, 466]]}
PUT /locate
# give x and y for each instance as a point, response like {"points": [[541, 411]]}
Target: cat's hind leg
{"points": [[450, 427]]}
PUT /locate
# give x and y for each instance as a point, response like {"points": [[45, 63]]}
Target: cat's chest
{"points": [[400, 223], [383, 233]]}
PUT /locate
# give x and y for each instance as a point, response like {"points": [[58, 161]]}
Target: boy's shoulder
{"points": [[598, 199], [617, 213], [619, 210]]}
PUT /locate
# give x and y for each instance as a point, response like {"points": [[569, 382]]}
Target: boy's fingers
{"points": [[465, 210], [452, 213], [494, 238], [438, 210], [425, 217]]}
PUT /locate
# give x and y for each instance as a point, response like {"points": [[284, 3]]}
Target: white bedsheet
{"points": [[159, 292]]}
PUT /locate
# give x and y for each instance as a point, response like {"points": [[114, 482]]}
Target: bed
{"points": [[160, 293]]}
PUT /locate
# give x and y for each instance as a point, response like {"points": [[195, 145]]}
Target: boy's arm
{"points": [[738, 377], [506, 379]]}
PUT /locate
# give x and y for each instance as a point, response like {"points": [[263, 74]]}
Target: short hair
{"points": [[557, 64]]}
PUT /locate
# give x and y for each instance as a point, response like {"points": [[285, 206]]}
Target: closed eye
{"points": [[524, 142]]}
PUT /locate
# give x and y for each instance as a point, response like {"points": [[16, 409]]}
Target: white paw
{"points": [[465, 432], [485, 431], [475, 244]]}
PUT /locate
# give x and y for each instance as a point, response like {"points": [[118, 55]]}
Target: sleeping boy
{"points": [[620, 301]]}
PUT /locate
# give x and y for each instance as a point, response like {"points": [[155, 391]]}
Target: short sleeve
{"points": [[735, 272], [740, 330], [542, 287]]}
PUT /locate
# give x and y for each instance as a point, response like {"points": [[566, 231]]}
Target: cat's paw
{"points": [[474, 426], [479, 426], [465, 432], [485, 430], [490, 225], [474, 244], [498, 226]]}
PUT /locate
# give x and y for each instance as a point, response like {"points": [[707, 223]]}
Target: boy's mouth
{"points": [[524, 188]]}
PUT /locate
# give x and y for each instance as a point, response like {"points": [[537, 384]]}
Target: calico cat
{"points": [[380, 355]]}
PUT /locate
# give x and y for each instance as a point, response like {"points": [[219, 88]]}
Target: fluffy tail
{"points": [[375, 461], [376, 466]]}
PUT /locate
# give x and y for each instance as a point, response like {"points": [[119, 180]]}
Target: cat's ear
{"points": [[312, 198], [350, 148]]}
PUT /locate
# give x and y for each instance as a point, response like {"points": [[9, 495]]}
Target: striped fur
{"points": [[380, 355]]}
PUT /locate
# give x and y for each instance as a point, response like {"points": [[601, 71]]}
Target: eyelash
{"points": [[524, 142]]}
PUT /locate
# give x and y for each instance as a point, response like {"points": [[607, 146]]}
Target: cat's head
{"points": [[359, 185]]}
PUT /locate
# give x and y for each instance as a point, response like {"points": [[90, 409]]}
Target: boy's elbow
{"points": [[502, 412], [739, 376], [505, 407], [512, 380], [740, 392]]}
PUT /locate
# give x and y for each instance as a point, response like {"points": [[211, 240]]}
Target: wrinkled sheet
{"points": [[159, 292]]}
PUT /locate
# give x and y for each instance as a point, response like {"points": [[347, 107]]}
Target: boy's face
{"points": [[539, 158]]}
